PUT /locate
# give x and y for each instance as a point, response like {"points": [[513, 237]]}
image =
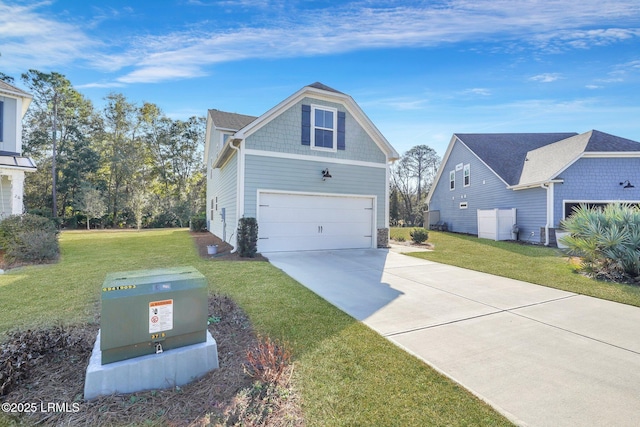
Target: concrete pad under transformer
{"points": [[175, 367]]}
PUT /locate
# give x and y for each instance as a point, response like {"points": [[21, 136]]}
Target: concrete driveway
{"points": [[540, 356]]}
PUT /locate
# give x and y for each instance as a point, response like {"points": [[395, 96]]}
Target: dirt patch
{"points": [[204, 239], [225, 396]]}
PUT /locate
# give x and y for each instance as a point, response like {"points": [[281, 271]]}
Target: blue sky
{"points": [[420, 70]]}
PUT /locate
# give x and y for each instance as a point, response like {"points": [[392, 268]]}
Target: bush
{"points": [[247, 237], [267, 361], [419, 235], [33, 247], [607, 240], [198, 223], [29, 238]]}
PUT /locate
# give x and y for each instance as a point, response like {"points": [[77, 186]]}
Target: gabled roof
{"points": [[318, 85], [523, 160], [546, 163], [7, 89], [505, 153], [243, 126]]}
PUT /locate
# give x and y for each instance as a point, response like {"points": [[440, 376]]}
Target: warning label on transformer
{"points": [[160, 316]]}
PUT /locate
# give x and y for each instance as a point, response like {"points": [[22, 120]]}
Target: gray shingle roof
{"points": [[545, 163], [230, 121], [600, 141], [321, 86], [529, 158], [505, 153]]}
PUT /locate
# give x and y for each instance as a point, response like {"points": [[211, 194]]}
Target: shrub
{"points": [[607, 240], [267, 361], [198, 223], [247, 237], [29, 238], [419, 235]]}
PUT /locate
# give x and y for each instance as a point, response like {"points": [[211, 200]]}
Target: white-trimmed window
{"points": [[452, 180], [466, 173], [324, 128]]}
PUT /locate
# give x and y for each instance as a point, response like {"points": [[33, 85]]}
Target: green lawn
{"points": [[530, 263], [347, 374]]}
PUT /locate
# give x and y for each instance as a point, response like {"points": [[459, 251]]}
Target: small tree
{"points": [[247, 237], [91, 203]]}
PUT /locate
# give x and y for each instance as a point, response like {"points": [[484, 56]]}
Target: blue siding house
{"points": [[539, 177], [313, 170]]}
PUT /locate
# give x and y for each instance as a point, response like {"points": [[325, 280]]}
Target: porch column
{"points": [[16, 188]]}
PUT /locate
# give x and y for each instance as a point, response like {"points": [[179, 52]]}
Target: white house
{"points": [[13, 106], [313, 171]]}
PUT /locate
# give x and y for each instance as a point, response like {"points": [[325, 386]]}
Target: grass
{"points": [[347, 374], [530, 263]]}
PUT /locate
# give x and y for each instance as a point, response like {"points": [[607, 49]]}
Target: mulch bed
{"points": [[204, 239], [56, 377], [47, 367]]}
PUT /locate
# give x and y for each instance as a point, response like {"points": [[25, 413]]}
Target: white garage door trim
{"points": [[315, 221]]}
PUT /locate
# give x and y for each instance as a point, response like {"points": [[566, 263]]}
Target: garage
{"points": [[304, 222]]}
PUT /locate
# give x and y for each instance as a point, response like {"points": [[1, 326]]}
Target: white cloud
{"points": [[546, 77], [477, 91], [28, 37]]}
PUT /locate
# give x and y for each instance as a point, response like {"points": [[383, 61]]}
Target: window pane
{"points": [[328, 119], [323, 138], [324, 118], [320, 118]]}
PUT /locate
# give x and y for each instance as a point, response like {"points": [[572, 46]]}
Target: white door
{"points": [[296, 222]]}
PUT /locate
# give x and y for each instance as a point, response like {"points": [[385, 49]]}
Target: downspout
{"points": [[238, 195], [549, 187]]}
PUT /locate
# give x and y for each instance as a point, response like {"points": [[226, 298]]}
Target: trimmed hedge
{"points": [[247, 237]]}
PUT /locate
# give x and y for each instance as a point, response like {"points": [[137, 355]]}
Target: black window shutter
{"points": [[306, 125], [341, 125]]}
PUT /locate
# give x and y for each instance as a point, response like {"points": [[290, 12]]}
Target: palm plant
{"points": [[607, 239]]}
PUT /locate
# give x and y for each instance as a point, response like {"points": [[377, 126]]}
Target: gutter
{"points": [[238, 186], [549, 187], [534, 184]]}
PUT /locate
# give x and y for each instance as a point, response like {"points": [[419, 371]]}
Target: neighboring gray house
{"points": [[489, 182], [13, 106], [313, 171]]}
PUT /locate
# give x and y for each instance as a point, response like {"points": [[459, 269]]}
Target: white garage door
{"points": [[294, 222]]}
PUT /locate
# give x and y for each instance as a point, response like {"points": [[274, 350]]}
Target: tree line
{"points": [[125, 165], [411, 179]]}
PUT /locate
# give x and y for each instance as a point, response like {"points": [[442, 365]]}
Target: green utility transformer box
{"points": [[149, 311]]}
